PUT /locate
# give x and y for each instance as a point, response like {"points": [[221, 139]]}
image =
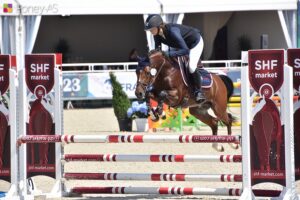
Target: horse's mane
{"points": [[145, 61], [172, 60], [154, 51]]}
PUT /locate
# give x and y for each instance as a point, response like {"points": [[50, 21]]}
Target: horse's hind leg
{"points": [[229, 130], [227, 119], [211, 121]]}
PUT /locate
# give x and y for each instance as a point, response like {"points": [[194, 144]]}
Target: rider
{"points": [[183, 40]]}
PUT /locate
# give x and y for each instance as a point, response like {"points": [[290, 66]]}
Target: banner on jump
{"points": [[84, 86], [96, 85]]}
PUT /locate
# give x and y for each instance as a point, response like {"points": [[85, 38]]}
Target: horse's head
{"points": [[143, 80], [147, 73]]}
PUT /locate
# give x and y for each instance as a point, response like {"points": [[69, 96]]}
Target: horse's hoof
{"points": [[155, 119], [163, 117], [218, 147], [234, 146]]}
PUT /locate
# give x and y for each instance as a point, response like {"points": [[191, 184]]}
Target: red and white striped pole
{"points": [[154, 177], [129, 139], [157, 190], [151, 158], [171, 191]]}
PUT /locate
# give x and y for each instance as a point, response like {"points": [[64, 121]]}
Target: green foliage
{"points": [[120, 100]]}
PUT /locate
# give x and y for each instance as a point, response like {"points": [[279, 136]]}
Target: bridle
{"points": [[147, 86]]}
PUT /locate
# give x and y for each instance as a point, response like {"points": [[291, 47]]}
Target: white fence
{"points": [[130, 66]]}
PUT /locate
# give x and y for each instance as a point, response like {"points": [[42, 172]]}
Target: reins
{"points": [[156, 75]]}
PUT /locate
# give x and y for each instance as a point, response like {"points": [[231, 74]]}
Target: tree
{"points": [[120, 100]]}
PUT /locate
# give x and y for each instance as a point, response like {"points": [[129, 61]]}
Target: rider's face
{"points": [[154, 31]]}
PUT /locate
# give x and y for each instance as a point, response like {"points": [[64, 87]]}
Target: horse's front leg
{"points": [[170, 97], [157, 113], [151, 112], [161, 99]]}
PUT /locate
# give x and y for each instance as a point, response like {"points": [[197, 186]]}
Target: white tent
{"points": [[19, 27], [196, 6], [87, 7], [100, 7]]}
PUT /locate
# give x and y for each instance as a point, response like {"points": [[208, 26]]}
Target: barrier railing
{"points": [[130, 66]]}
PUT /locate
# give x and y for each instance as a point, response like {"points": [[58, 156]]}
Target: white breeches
{"points": [[195, 54]]}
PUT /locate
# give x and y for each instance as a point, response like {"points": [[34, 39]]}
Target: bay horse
{"points": [[162, 81]]}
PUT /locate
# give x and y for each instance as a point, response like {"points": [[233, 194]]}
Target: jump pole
{"points": [[66, 139], [154, 177], [170, 191], [151, 158]]}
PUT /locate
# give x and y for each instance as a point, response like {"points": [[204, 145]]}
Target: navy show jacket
{"points": [[180, 37]]}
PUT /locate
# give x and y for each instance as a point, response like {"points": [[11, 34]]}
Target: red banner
{"points": [[4, 73], [294, 61], [266, 131], [266, 71], [39, 73]]}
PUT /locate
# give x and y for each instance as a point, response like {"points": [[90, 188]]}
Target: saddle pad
{"points": [[206, 77], [207, 80]]}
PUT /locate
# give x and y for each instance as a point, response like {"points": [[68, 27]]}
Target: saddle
{"points": [[183, 63]]}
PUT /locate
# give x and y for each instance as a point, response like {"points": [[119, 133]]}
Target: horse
{"points": [[162, 81]]}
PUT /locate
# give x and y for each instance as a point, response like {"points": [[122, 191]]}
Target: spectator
{"points": [[133, 57]]}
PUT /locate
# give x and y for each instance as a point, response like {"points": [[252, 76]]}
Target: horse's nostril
{"points": [[139, 95]]}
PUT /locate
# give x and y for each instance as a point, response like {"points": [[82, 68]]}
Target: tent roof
{"points": [[85, 7], [98, 7], [190, 6]]}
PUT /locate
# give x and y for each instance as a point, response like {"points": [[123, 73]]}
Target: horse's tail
{"points": [[229, 85]]}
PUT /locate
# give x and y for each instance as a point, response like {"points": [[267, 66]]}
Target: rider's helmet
{"points": [[153, 21]]}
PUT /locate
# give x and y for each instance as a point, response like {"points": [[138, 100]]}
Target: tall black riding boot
{"points": [[198, 84]]}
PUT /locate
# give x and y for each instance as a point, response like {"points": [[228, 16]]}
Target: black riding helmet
{"points": [[153, 21]]}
